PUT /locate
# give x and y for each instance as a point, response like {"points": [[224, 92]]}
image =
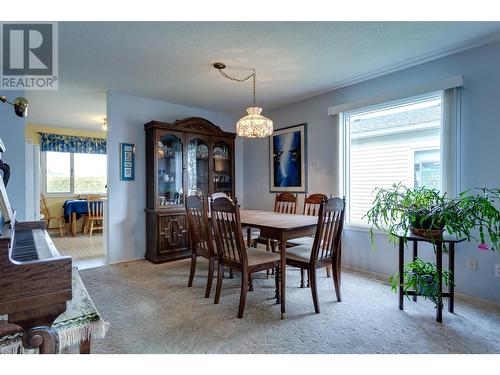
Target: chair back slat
{"points": [[285, 203], [95, 208], [199, 228], [226, 224], [312, 204], [329, 230]]}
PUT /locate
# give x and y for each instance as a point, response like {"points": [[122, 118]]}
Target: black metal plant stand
{"points": [[438, 242]]}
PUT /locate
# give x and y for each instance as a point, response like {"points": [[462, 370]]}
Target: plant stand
{"points": [[438, 242]]}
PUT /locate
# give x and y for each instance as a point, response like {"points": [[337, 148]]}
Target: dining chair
{"points": [[85, 217], [201, 239], [232, 252], [44, 208], [312, 204], [95, 214], [326, 247]]}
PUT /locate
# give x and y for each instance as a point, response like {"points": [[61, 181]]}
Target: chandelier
{"points": [[253, 125]]}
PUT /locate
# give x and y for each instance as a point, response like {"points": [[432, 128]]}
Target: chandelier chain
{"points": [[241, 80]]}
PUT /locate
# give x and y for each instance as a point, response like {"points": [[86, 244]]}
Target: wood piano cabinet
{"points": [[187, 157]]}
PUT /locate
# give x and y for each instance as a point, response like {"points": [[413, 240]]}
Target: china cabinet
{"points": [[187, 157]]}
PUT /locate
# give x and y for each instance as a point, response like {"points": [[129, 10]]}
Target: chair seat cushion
{"points": [[256, 256], [301, 253], [301, 241]]}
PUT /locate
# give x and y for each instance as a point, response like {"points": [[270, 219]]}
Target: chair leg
{"points": [[211, 266], [268, 247], [308, 278], [192, 270], [220, 277], [60, 226], [336, 282], [243, 294], [277, 281], [249, 236], [250, 283], [328, 271], [302, 277], [91, 227], [314, 290], [231, 274]]}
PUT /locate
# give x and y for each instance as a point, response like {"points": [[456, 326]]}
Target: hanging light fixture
{"points": [[253, 125], [105, 124]]}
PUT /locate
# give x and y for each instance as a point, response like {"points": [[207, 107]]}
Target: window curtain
{"points": [[66, 143], [451, 141]]}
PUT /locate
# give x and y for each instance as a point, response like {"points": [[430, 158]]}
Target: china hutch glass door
{"points": [[170, 170], [222, 159], [197, 165]]}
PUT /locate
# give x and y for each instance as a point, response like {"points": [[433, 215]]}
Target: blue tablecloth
{"points": [[78, 206]]}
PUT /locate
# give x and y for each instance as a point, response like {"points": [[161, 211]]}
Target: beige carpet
{"points": [[151, 310]]}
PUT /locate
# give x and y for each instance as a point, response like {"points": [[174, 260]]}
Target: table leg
{"points": [[283, 272], [415, 254], [73, 224], [439, 266], [401, 270], [451, 267]]}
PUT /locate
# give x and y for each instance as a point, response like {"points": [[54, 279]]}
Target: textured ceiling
{"points": [[171, 61]]}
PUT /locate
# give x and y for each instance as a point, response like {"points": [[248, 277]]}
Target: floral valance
{"points": [[67, 143]]}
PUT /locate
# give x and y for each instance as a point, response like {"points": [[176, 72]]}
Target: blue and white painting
{"points": [[288, 159]]}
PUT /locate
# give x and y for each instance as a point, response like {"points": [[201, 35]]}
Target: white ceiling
{"points": [[171, 61]]}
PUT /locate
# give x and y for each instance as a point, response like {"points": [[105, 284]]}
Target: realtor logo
{"points": [[29, 56]]}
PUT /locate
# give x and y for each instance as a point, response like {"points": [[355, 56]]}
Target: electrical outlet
{"points": [[471, 264], [497, 270]]}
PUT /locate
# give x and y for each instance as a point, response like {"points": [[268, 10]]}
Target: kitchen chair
{"points": [[48, 217], [232, 252], [312, 204], [95, 215], [200, 234], [326, 247]]}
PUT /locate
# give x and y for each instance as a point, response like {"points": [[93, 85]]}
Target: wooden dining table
{"points": [[280, 227]]}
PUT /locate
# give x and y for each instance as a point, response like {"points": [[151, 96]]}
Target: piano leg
{"points": [[45, 339], [85, 347]]}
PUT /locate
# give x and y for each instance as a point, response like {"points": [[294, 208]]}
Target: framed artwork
{"points": [[127, 161], [287, 159]]}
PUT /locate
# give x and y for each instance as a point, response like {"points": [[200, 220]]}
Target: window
{"points": [[74, 173], [390, 143]]}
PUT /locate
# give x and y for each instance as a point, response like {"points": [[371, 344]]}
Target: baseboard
{"points": [[385, 279]]}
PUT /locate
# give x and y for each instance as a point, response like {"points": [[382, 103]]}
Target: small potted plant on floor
{"points": [[427, 212], [421, 277]]}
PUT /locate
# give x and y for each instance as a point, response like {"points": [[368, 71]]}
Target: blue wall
{"points": [[12, 135], [127, 115], [480, 154]]}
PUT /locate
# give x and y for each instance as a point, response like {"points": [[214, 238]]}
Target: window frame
{"points": [[43, 168], [345, 142]]}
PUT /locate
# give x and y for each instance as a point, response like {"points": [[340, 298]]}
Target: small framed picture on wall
{"points": [[127, 161]]}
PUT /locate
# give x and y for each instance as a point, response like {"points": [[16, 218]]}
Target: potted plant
{"points": [[421, 277], [427, 212]]}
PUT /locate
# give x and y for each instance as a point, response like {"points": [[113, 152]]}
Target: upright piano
{"points": [[35, 281]]}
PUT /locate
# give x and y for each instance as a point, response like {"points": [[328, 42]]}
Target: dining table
{"points": [[73, 209], [280, 227]]}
